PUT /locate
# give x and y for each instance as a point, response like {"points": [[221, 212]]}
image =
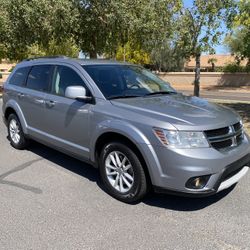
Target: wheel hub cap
{"points": [[119, 171], [14, 131]]}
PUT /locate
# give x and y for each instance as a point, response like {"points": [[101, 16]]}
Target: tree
{"points": [[132, 55], [3, 29], [168, 57], [239, 40], [107, 25], [38, 25], [199, 30], [212, 61]]}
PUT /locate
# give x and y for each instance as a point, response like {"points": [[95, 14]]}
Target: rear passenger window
{"points": [[64, 77], [39, 77], [19, 77]]}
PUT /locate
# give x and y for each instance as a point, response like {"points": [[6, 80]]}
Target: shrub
{"points": [[235, 67]]}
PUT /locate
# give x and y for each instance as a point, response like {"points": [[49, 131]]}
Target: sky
{"points": [[220, 48]]}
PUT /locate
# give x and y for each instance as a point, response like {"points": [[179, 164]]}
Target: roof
{"points": [[222, 60], [79, 61]]}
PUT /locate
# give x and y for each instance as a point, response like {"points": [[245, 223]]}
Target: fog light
{"points": [[198, 182]]}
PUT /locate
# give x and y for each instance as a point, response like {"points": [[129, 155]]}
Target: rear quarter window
{"points": [[19, 77]]}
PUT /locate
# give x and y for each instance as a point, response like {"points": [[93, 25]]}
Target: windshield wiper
{"points": [[122, 96], [161, 93]]}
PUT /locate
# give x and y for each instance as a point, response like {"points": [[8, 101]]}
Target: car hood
{"points": [[183, 112]]}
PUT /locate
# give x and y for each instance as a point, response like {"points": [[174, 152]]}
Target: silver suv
{"points": [[127, 122]]}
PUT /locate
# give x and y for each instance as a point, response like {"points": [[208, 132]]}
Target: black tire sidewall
{"points": [[139, 186]]}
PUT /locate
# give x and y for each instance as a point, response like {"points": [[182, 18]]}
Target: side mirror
{"points": [[77, 93]]}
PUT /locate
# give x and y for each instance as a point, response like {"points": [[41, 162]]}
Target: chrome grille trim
{"points": [[226, 140]]}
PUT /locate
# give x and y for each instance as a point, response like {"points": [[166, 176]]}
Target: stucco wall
{"points": [[184, 80], [208, 80]]}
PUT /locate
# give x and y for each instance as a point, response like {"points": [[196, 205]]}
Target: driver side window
{"points": [[64, 77]]}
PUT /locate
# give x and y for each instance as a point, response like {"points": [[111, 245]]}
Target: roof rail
{"points": [[45, 57]]}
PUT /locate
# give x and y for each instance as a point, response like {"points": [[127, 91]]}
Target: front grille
{"points": [[227, 137]]}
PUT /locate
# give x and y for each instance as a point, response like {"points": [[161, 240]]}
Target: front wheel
{"points": [[122, 173]]}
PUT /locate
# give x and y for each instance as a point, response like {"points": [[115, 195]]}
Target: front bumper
{"points": [[231, 175], [170, 169]]}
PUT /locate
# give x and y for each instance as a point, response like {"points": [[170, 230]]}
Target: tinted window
{"points": [[19, 76], [64, 77], [126, 80], [39, 77]]}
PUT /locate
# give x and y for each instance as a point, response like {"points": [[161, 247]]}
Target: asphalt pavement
{"points": [[52, 201]]}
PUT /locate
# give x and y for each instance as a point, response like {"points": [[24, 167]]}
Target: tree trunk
{"points": [[92, 54], [124, 53], [197, 74], [213, 67]]}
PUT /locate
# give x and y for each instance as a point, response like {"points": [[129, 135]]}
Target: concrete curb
{"points": [[227, 101]]}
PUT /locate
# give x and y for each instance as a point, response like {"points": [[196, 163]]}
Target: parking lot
{"points": [[52, 201]]}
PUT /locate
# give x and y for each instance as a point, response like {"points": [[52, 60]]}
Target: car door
{"points": [[67, 120], [31, 98]]}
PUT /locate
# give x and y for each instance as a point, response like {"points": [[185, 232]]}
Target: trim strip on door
{"points": [[58, 139]]}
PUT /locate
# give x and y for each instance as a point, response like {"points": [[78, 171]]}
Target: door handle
{"points": [[39, 101], [20, 95], [50, 103]]}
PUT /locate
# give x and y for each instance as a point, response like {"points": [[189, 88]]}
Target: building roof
{"points": [[222, 60]]}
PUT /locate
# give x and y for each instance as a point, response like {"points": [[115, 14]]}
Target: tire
{"points": [[15, 133], [124, 179]]}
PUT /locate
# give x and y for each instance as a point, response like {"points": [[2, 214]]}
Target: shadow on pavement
{"points": [[65, 161], [157, 200], [179, 203], [19, 168]]}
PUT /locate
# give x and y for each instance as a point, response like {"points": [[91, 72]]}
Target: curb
{"points": [[227, 101]]}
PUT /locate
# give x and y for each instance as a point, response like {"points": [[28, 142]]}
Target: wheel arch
{"points": [[108, 137], [13, 108]]}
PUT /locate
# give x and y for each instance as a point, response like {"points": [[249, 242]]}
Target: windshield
{"points": [[119, 81]]}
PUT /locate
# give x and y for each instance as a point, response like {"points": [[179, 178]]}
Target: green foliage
{"points": [[106, 25], [239, 40], [66, 47], [162, 32], [132, 55], [33, 24], [212, 60], [235, 67], [38, 27], [11, 69], [198, 30], [199, 25], [3, 29], [167, 57], [243, 17]]}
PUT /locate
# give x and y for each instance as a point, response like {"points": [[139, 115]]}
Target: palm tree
{"points": [[212, 61]]}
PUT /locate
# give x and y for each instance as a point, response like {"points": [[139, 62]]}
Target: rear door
{"points": [[67, 120], [31, 99]]}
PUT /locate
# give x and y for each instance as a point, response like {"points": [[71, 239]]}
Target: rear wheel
{"points": [[122, 173], [15, 132]]}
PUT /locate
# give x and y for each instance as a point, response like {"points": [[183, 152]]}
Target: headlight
{"points": [[181, 139]]}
